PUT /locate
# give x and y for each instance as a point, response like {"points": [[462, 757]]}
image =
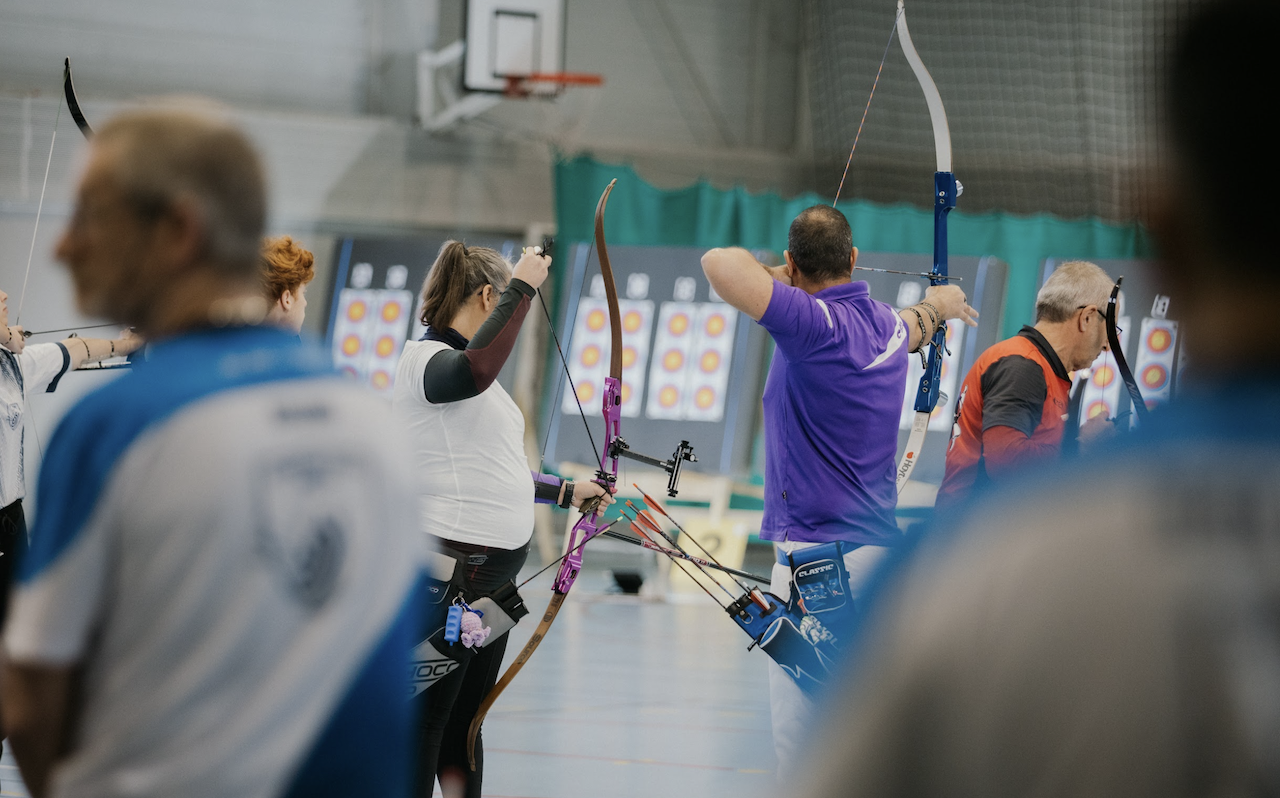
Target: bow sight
{"points": [[618, 448]]}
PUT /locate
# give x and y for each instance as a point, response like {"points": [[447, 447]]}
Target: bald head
{"points": [[821, 244]]}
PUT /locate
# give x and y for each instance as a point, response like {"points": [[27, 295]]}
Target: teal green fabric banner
{"points": [[703, 216]]}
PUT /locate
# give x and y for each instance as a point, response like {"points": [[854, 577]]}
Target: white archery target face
{"points": [[709, 367], [693, 350], [590, 352], [369, 334], [588, 356], [387, 336], [351, 331], [1154, 367], [1102, 393], [637, 327], [668, 374]]}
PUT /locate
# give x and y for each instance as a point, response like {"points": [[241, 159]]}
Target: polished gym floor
{"points": [[628, 698]]}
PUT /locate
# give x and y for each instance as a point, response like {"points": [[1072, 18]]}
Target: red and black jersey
{"points": [[1012, 411]]}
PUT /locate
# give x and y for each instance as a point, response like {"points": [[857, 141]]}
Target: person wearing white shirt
{"points": [[476, 492]]}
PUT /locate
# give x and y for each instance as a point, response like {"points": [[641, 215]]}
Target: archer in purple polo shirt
{"points": [[831, 409], [838, 379]]}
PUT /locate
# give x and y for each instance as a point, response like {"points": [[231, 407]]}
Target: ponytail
{"points": [[458, 273]]}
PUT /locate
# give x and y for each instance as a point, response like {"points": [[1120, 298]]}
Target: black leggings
{"points": [[452, 702]]}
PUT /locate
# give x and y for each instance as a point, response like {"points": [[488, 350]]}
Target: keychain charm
{"points": [[462, 623]]}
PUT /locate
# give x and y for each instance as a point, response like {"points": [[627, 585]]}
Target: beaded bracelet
{"points": [[934, 313], [924, 337]]}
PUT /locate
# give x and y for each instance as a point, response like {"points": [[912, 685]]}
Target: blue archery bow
{"points": [[945, 191]]}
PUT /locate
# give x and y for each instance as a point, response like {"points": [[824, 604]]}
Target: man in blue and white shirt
{"points": [[222, 585]]}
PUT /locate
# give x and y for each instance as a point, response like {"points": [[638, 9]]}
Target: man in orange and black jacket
{"points": [[1012, 409]]}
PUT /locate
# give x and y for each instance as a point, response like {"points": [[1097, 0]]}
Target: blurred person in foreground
{"points": [[1113, 630], [831, 408], [1012, 409], [287, 268], [221, 583]]}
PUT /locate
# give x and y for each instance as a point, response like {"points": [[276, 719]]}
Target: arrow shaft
{"points": [[644, 544], [926, 275], [29, 333]]}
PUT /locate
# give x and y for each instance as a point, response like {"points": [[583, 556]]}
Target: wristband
{"points": [[567, 501]]}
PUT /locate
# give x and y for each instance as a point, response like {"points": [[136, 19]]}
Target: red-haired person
{"points": [[286, 270]]}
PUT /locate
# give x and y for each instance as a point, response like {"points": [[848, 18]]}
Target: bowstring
{"points": [[564, 364], [28, 408], [867, 107], [22, 300]]}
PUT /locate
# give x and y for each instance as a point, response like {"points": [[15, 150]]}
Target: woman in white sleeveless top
{"points": [[477, 492]]}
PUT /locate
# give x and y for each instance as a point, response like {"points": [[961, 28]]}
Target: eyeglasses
{"points": [[1101, 316]]}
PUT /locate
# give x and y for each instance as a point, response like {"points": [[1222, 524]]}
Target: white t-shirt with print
{"points": [[38, 368]]}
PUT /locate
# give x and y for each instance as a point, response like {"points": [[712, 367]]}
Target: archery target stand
{"points": [[512, 49]]}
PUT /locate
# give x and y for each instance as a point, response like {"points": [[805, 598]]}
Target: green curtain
{"points": [[703, 216]]}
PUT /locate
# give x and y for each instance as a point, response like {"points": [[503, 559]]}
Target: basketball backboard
{"points": [[511, 38]]}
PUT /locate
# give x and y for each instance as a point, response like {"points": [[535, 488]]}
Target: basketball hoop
{"points": [[547, 84]]}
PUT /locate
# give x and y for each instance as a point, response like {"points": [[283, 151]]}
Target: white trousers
{"points": [[792, 711]]}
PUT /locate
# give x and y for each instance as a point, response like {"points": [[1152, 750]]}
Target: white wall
{"points": [[694, 88]]}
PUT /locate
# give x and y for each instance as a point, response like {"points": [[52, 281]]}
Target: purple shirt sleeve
{"points": [[546, 488], [798, 322]]}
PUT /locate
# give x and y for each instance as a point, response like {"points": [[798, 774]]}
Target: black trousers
{"points": [[452, 702], [13, 541]]}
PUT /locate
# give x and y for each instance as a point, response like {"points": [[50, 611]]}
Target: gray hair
{"points": [[163, 155], [1072, 285]]}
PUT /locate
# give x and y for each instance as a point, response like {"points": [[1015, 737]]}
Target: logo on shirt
{"points": [[303, 507]]}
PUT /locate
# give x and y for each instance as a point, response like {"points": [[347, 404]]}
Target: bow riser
{"points": [[1117, 352], [945, 192], [589, 525]]}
